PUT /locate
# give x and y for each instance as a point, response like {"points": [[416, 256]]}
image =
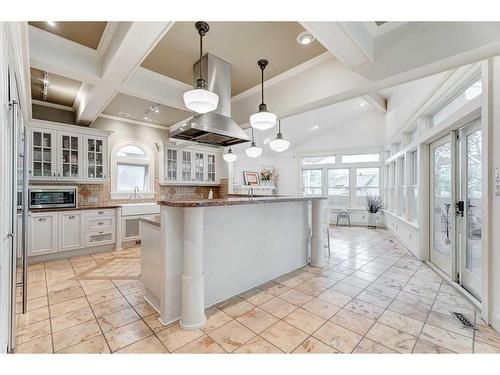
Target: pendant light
{"points": [[229, 156], [200, 99], [253, 151], [263, 119], [279, 144]]}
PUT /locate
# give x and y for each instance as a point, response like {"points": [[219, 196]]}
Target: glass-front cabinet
{"points": [[66, 153], [95, 158], [188, 165], [43, 155], [70, 156]]}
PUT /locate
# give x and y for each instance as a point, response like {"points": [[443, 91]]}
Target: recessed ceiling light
{"points": [[314, 127], [305, 38], [124, 114], [362, 104], [157, 110], [145, 117], [266, 141], [51, 23]]}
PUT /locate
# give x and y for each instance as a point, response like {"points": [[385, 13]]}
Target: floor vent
{"points": [[463, 320]]}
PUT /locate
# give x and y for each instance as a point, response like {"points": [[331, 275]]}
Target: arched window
{"points": [[132, 176]]}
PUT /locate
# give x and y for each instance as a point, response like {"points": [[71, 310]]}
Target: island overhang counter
{"points": [[198, 253]]}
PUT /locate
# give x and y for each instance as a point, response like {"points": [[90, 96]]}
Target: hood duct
{"points": [[217, 127]]}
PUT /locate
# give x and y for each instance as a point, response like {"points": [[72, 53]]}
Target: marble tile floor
{"points": [[373, 296]]}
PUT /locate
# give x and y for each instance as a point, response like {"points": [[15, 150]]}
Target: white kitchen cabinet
{"points": [[96, 163], [71, 235], [43, 165], [69, 159], [67, 153], [189, 165], [42, 238]]}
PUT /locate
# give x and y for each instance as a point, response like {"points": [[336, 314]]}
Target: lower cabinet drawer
{"points": [[100, 223], [100, 237]]}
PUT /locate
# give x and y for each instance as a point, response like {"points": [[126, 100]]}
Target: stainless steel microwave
{"points": [[52, 196]]}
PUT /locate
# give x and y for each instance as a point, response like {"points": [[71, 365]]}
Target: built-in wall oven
{"points": [[52, 196]]}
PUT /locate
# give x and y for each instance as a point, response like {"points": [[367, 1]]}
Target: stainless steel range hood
{"points": [[217, 127]]}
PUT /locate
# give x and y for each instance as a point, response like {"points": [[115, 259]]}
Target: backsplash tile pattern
{"points": [[99, 194]]}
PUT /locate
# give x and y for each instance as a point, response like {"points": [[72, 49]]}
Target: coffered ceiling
{"points": [[239, 43], [130, 107], [60, 90], [86, 33]]}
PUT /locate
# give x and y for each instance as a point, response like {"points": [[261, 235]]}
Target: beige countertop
{"points": [[233, 201]]}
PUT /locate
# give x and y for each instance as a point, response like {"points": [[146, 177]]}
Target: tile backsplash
{"points": [[99, 194]]}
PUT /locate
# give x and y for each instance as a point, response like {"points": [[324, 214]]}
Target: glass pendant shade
{"points": [[263, 120], [253, 151], [279, 144], [229, 156], [200, 100]]}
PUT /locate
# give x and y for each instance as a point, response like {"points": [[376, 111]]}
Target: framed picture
{"points": [[251, 178]]}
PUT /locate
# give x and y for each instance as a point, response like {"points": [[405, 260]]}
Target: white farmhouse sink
{"points": [[134, 209]]}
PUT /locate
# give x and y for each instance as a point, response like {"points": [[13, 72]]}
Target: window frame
{"points": [[149, 184]]}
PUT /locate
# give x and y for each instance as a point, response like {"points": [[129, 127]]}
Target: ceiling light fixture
{"points": [[263, 119], [253, 151], [279, 144], [229, 156], [362, 104], [200, 99], [305, 38], [51, 23]]}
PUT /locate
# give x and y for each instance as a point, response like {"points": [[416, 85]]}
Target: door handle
{"points": [[460, 206], [71, 217], [42, 219]]}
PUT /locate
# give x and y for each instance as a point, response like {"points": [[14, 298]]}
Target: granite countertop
{"points": [[233, 201], [155, 220], [79, 208]]}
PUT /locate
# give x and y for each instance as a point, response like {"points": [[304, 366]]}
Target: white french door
{"points": [[469, 208], [442, 204], [456, 206]]}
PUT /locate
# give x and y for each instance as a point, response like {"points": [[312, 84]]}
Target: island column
{"points": [[193, 275], [317, 246]]}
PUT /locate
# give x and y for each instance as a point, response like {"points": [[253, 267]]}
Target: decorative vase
{"points": [[372, 220]]}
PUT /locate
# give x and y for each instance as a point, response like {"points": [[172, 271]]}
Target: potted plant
{"points": [[374, 204]]}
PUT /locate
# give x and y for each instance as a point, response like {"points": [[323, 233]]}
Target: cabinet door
{"points": [[70, 156], [172, 164], [211, 169], [42, 155], [96, 154], [186, 166], [199, 167], [71, 235], [42, 233]]}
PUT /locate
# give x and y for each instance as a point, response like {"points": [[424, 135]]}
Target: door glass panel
{"points": [[442, 207], [312, 181], [474, 196]]}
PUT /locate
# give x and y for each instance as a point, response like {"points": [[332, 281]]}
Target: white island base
{"points": [[200, 255]]}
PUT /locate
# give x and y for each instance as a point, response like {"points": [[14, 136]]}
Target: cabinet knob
{"points": [[101, 212], [100, 223], [42, 219], [71, 217]]}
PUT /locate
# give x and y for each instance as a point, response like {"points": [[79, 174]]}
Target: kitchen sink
{"points": [[134, 209]]}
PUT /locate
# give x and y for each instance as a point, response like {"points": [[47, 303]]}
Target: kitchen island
{"points": [[200, 252]]}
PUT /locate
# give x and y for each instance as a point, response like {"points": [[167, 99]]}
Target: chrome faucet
{"points": [[250, 192], [136, 194]]}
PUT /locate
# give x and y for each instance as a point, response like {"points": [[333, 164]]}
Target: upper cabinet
{"points": [[189, 165], [67, 153]]}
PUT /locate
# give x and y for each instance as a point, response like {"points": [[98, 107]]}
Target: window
{"points": [[367, 184], [316, 160], [338, 187], [401, 185], [312, 182], [458, 102], [360, 158], [413, 188], [132, 164]]}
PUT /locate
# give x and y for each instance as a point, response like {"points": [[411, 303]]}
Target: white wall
{"points": [[122, 130], [495, 203]]}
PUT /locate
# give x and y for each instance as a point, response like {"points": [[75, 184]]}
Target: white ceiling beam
{"points": [[376, 101], [49, 52], [155, 87], [349, 43], [129, 46]]}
